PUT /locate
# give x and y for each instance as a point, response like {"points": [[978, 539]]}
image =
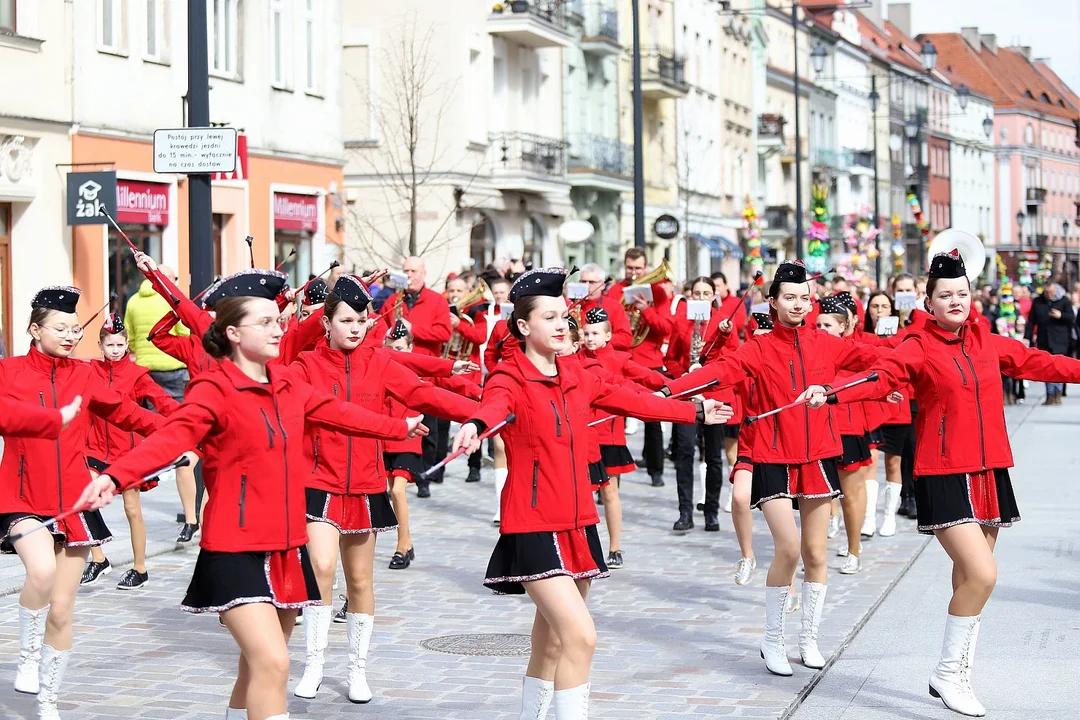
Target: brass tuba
{"points": [[638, 329], [458, 348]]}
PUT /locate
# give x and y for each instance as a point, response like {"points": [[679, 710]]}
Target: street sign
{"points": [[87, 193], [195, 151]]}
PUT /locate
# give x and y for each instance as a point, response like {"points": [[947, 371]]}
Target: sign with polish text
{"points": [[142, 203], [195, 151], [296, 212]]}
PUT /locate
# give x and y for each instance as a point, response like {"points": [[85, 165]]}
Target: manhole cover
{"points": [[490, 644]]}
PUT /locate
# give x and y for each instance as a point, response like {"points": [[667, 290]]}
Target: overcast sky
{"points": [[1050, 27]]}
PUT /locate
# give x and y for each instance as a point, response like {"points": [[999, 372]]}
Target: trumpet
{"points": [[696, 341], [399, 305], [458, 348], [638, 329]]}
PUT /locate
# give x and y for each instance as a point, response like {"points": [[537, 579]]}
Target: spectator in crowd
{"points": [[1049, 328]]}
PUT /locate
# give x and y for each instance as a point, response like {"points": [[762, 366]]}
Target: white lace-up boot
{"points": [[31, 635], [316, 631], [813, 603], [773, 648], [536, 695], [358, 629], [951, 679]]}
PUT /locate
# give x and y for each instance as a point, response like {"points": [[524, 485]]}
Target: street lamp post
{"points": [[798, 145], [639, 123], [200, 218], [874, 101], [1020, 225]]}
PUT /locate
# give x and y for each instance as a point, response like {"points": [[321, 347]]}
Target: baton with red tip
{"points": [[111, 219], [676, 396], [113, 297], [182, 462], [872, 377], [458, 453], [282, 263]]}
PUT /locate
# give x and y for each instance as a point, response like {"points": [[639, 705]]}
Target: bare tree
{"points": [[692, 152]]}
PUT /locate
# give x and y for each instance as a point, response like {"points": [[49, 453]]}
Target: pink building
{"points": [[1037, 148]]}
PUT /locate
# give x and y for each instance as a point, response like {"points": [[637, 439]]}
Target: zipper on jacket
{"points": [[243, 496], [806, 410], [22, 475], [573, 463], [978, 406], [285, 460], [829, 423], [348, 438], [108, 435], [775, 432], [963, 377], [750, 400], [269, 429], [791, 365], [316, 454], [558, 421], [941, 432], [59, 472], [536, 475]]}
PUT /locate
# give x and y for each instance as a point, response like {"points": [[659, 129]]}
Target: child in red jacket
{"points": [[107, 442]]}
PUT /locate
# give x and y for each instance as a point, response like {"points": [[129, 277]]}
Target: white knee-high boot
{"points": [[53, 664], [951, 679], [869, 526], [358, 629], [535, 698], [235, 714], [500, 481], [31, 635], [316, 631], [892, 502], [773, 648], [813, 603], [572, 703]]}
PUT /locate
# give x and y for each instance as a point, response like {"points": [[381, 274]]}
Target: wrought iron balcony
{"points": [[532, 23], [825, 157], [1036, 195], [521, 160], [600, 34], [1039, 241], [779, 218], [592, 158], [663, 74], [862, 158]]}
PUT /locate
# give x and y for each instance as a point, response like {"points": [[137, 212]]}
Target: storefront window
{"points": [[124, 277], [296, 219], [532, 236], [219, 228], [298, 268]]}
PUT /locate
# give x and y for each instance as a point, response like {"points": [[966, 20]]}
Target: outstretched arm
{"points": [[1024, 363]]}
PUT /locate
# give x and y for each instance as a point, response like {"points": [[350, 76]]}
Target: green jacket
{"points": [[144, 310]]}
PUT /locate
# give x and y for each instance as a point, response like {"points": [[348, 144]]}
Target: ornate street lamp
{"points": [[1020, 224], [817, 57], [962, 95], [988, 126], [928, 55]]}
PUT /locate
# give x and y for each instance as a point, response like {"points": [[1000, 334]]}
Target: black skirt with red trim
{"points": [[856, 452], [351, 514], [85, 529], [617, 459], [876, 439], [815, 479], [404, 464], [741, 463], [598, 476], [526, 557], [224, 580], [100, 467], [985, 498]]}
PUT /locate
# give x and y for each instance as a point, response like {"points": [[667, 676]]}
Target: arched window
{"points": [[1029, 134], [532, 237], [482, 241]]}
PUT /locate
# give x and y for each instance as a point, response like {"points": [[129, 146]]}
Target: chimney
{"points": [[1024, 50], [971, 35], [900, 16], [873, 13], [990, 41]]}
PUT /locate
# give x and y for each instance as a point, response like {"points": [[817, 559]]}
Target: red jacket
{"points": [[429, 317], [957, 381], [476, 333], [45, 477], [254, 464], [21, 419], [733, 307], [340, 463], [548, 486], [657, 317], [106, 441], [620, 323], [455, 384], [197, 320], [782, 364], [616, 367], [187, 349], [501, 345], [717, 344]]}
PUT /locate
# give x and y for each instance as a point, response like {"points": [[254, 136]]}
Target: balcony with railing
{"points": [[1035, 195], [600, 162], [600, 29], [527, 163], [779, 221], [663, 74], [861, 159], [824, 157], [770, 133], [531, 23]]}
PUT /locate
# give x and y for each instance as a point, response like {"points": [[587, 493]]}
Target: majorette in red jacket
{"points": [[548, 486], [957, 382], [501, 345], [429, 321], [717, 344], [459, 384], [254, 466], [188, 349], [107, 442], [782, 364], [366, 377], [617, 318], [45, 477], [616, 367], [658, 319]]}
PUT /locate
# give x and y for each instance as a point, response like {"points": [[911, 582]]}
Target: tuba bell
{"points": [[638, 329], [458, 348], [970, 247]]}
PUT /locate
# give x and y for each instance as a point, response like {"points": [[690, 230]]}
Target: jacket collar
{"points": [[568, 370], [788, 335], [934, 330], [238, 379], [45, 363], [337, 357]]}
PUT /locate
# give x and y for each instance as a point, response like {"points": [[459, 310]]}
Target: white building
{"points": [[972, 167]]}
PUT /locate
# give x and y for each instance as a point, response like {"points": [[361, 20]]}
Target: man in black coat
{"points": [[1049, 328]]}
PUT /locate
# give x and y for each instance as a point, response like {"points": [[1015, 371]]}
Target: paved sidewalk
{"points": [[677, 637], [1025, 664]]}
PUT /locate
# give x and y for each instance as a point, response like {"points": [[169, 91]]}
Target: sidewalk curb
{"points": [[801, 696]]}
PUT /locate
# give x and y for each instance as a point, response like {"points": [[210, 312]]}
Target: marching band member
{"points": [[601, 296], [39, 478], [312, 300], [797, 457], [475, 334], [253, 566], [106, 443], [963, 455], [500, 346], [878, 417], [548, 546]]}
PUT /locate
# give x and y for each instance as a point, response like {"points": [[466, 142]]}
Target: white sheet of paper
{"points": [[397, 280], [632, 291], [887, 325], [505, 309], [577, 290], [698, 310], [762, 308], [905, 300]]}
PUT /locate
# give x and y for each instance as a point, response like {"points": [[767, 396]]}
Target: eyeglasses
{"points": [[74, 332], [268, 323]]}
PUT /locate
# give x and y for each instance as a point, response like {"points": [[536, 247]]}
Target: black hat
{"points": [[948, 265], [353, 292], [316, 292], [57, 297], [849, 302], [596, 315], [114, 324], [257, 283], [572, 322], [398, 331], [790, 272], [833, 305], [541, 281], [764, 321]]}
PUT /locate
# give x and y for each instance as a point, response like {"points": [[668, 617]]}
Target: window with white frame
{"points": [[110, 25], [312, 28], [279, 44], [7, 16], [155, 30], [224, 37]]}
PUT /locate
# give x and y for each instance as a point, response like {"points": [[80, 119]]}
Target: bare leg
{"points": [[781, 520], [70, 563], [854, 506], [971, 548], [892, 469], [731, 450], [401, 509], [323, 552], [613, 513], [814, 514], [133, 510], [742, 516], [358, 562], [185, 488], [259, 629], [562, 603], [38, 554]]}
